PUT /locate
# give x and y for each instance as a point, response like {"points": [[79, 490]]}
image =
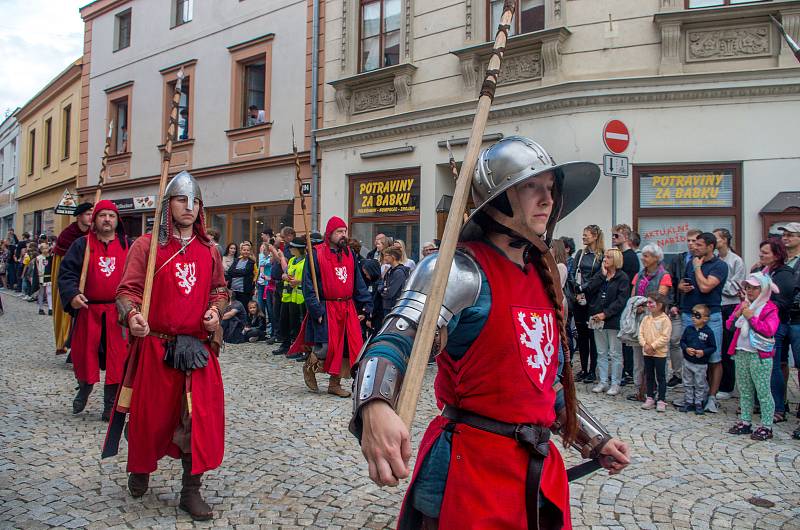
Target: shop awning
{"points": [[781, 202]]}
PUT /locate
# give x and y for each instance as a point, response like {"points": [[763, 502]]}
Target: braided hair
{"points": [[545, 265]]}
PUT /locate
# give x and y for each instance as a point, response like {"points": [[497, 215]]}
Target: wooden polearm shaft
{"points": [[454, 171], [415, 372], [101, 179], [162, 184], [789, 40], [306, 224]]}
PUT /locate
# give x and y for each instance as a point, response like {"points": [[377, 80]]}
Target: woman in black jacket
{"points": [[394, 279], [587, 264], [371, 271], [609, 292], [241, 275], [772, 261]]}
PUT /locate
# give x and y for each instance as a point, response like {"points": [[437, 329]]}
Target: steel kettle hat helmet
{"points": [[182, 184], [516, 159]]}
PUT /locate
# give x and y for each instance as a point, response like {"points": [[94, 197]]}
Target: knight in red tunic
{"points": [[332, 326], [487, 462], [62, 321], [98, 342], [172, 389]]}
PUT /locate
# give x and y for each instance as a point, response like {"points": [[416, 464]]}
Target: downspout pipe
{"points": [[314, 115]]}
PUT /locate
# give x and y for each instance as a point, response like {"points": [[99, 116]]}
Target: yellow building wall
{"points": [[41, 184]]}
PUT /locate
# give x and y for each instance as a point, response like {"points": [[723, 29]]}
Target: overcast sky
{"points": [[38, 39]]}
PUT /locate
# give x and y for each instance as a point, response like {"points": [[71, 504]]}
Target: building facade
{"points": [[708, 90], [48, 161], [9, 165], [245, 92]]}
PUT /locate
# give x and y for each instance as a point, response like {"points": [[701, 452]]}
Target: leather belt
{"points": [[534, 438], [162, 336], [346, 298]]}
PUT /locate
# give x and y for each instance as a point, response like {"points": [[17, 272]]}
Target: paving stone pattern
{"points": [[290, 462]]}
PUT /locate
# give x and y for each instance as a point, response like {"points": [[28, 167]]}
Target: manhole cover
{"points": [[761, 503]]}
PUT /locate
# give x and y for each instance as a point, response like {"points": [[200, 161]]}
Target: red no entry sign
{"points": [[616, 136]]}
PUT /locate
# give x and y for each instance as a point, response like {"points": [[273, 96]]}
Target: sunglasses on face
{"points": [[697, 315]]}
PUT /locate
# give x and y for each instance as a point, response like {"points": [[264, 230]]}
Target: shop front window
{"points": [[237, 223], [668, 201], [386, 203]]}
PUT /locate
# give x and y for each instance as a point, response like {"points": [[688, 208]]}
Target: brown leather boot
{"points": [[310, 368], [138, 484], [335, 387], [191, 500]]}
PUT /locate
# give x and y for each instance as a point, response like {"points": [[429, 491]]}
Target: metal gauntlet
{"points": [[377, 379], [592, 436]]}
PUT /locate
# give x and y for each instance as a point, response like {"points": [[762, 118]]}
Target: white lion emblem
{"points": [[107, 265], [541, 331], [185, 272], [341, 273]]}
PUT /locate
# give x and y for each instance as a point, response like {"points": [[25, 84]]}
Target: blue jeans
{"points": [[716, 325], [793, 341], [609, 354], [776, 383]]}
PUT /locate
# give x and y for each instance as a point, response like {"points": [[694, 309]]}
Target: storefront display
{"points": [[386, 203], [238, 223], [670, 200]]}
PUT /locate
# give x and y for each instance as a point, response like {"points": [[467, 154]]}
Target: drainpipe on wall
{"points": [[314, 115]]}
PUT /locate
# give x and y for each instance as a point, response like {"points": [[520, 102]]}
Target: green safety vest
{"points": [[294, 270]]}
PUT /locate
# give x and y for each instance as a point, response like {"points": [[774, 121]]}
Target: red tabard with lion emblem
{"points": [[103, 275], [507, 374]]}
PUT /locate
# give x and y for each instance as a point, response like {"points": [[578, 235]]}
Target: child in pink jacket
{"points": [[754, 321]]}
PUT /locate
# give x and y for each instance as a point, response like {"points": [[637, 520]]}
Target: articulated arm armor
{"points": [[380, 377], [592, 436]]}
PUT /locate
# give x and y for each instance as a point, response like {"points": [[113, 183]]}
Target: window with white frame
{"points": [[181, 12], [529, 17]]}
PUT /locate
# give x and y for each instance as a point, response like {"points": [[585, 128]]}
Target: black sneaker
{"points": [[590, 378], [41, 311], [580, 376], [674, 381], [283, 349], [626, 380]]}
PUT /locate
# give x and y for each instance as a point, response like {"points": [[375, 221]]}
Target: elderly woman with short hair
{"points": [[653, 278]]}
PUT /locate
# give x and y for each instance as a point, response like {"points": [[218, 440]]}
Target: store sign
{"points": [[702, 189], [135, 203], [67, 204], [386, 196], [669, 233]]}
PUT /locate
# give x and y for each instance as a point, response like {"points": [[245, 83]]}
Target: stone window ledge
{"points": [[248, 143], [181, 158], [118, 167], [734, 32], [528, 57], [384, 88]]}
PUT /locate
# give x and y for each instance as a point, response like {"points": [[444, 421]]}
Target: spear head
{"points": [[450, 151], [110, 129], [179, 83]]}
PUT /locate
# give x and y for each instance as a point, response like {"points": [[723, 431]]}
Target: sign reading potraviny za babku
{"points": [[386, 195], [616, 136]]}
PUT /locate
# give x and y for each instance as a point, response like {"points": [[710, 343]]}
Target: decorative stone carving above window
{"points": [[706, 44], [385, 88], [733, 32], [528, 57]]}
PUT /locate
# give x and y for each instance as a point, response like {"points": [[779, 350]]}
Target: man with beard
{"points": [[62, 321], [333, 323], [173, 383], [97, 340], [487, 461]]}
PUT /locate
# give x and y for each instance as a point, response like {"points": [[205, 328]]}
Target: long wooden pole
{"points": [[415, 372], [789, 40], [100, 181], [162, 185], [306, 224], [454, 171]]}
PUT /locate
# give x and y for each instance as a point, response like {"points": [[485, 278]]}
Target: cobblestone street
{"points": [[291, 463]]}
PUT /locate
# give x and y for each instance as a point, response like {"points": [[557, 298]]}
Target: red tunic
{"points": [[338, 283], [103, 275], [181, 296], [507, 374]]}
